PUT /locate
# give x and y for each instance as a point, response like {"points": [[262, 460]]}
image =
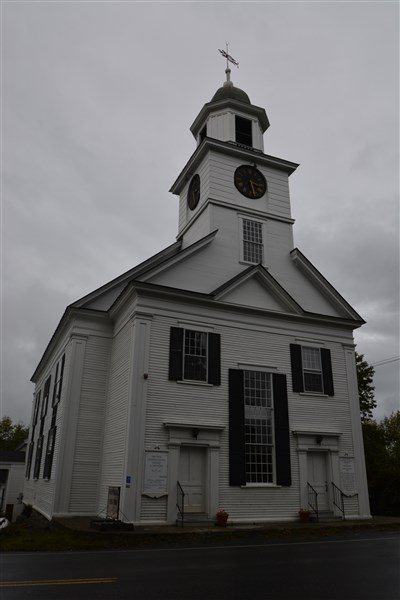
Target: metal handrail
{"points": [[313, 499], [180, 505], [339, 496]]}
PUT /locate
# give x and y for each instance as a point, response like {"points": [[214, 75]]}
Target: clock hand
{"points": [[252, 187]]}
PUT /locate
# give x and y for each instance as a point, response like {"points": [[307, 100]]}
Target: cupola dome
{"points": [[228, 90]]}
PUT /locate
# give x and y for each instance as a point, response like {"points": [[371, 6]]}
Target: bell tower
{"points": [[231, 187]]}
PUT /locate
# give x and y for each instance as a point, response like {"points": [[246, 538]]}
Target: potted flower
{"points": [[222, 517], [304, 515]]}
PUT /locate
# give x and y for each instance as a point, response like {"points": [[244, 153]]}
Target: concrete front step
{"points": [[196, 520], [328, 517]]}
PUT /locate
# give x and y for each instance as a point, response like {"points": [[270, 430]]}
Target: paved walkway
{"points": [[83, 524]]}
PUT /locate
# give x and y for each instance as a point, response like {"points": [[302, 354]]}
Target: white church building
{"points": [[219, 373]]}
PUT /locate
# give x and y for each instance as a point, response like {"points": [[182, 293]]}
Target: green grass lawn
{"points": [[22, 537]]}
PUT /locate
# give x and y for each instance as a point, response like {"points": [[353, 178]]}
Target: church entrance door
{"points": [[318, 477], [192, 477]]}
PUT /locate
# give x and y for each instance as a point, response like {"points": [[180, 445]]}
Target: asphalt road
{"points": [[364, 567]]}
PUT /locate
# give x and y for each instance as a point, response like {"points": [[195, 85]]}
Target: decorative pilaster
{"points": [[358, 443], [65, 463]]}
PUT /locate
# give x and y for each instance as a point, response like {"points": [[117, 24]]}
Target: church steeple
{"points": [[230, 117]]}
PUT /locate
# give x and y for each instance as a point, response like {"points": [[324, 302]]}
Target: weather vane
{"points": [[228, 57]]}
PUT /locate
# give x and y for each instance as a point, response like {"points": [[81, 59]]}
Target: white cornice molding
{"points": [[324, 286], [249, 212], [267, 281], [217, 106], [183, 254], [132, 273]]}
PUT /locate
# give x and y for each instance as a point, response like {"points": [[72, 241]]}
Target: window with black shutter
{"points": [[259, 445], [194, 356], [46, 394], [36, 409], [311, 369], [58, 381], [48, 461], [38, 457]]}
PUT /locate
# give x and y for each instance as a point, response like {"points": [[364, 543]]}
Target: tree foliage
{"points": [[11, 434], [365, 377], [382, 455]]}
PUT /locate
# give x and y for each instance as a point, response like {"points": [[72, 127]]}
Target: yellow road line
{"points": [[33, 582]]}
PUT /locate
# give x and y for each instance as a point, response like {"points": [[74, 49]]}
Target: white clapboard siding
{"points": [[216, 263], [168, 400], [222, 187], [185, 213], [90, 426], [40, 493], [113, 457]]}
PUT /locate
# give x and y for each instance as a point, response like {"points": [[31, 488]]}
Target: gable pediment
{"points": [[257, 288]]}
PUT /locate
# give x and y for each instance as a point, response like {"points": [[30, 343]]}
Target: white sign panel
{"points": [[347, 475], [155, 474]]}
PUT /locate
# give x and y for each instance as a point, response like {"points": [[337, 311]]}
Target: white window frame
{"points": [[184, 354], [243, 218], [271, 483], [312, 370]]}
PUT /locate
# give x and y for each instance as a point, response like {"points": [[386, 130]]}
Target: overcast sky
{"points": [[97, 103]]}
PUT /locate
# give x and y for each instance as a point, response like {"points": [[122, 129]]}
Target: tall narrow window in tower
{"points": [[252, 241], [195, 361], [243, 131], [258, 409]]}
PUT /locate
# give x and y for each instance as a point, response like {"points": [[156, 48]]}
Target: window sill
{"points": [[260, 485], [245, 262], [318, 394], [194, 382]]}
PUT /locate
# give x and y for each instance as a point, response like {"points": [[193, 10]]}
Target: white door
{"points": [[318, 477], [191, 475]]}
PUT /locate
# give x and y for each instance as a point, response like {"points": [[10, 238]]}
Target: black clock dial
{"points": [[193, 196], [250, 182]]}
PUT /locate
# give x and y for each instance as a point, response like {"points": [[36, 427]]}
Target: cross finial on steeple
{"points": [[229, 59]]}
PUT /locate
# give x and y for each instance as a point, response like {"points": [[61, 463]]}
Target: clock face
{"points": [[193, 196], [250, 182]]}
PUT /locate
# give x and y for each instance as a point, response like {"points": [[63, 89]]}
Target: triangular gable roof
{"points": [[323, 285], [149, 267], [260, 274]]}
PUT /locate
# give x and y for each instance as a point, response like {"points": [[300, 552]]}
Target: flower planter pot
{"points": [[222, 520], [304, 517]]}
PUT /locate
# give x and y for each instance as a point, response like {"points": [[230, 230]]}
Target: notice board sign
{"points": [[155, 473], [347, 475], [113, 502]]}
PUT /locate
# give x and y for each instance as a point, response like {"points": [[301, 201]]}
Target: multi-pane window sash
{"points": [[252, 241], [195, 355], [312, 369], [259, 431]]}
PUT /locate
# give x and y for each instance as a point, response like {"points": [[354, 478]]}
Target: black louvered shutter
{"points": [[297, 368], [282, 441], [176, 354], [327, 371], [237, 464], [214, 358]]}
